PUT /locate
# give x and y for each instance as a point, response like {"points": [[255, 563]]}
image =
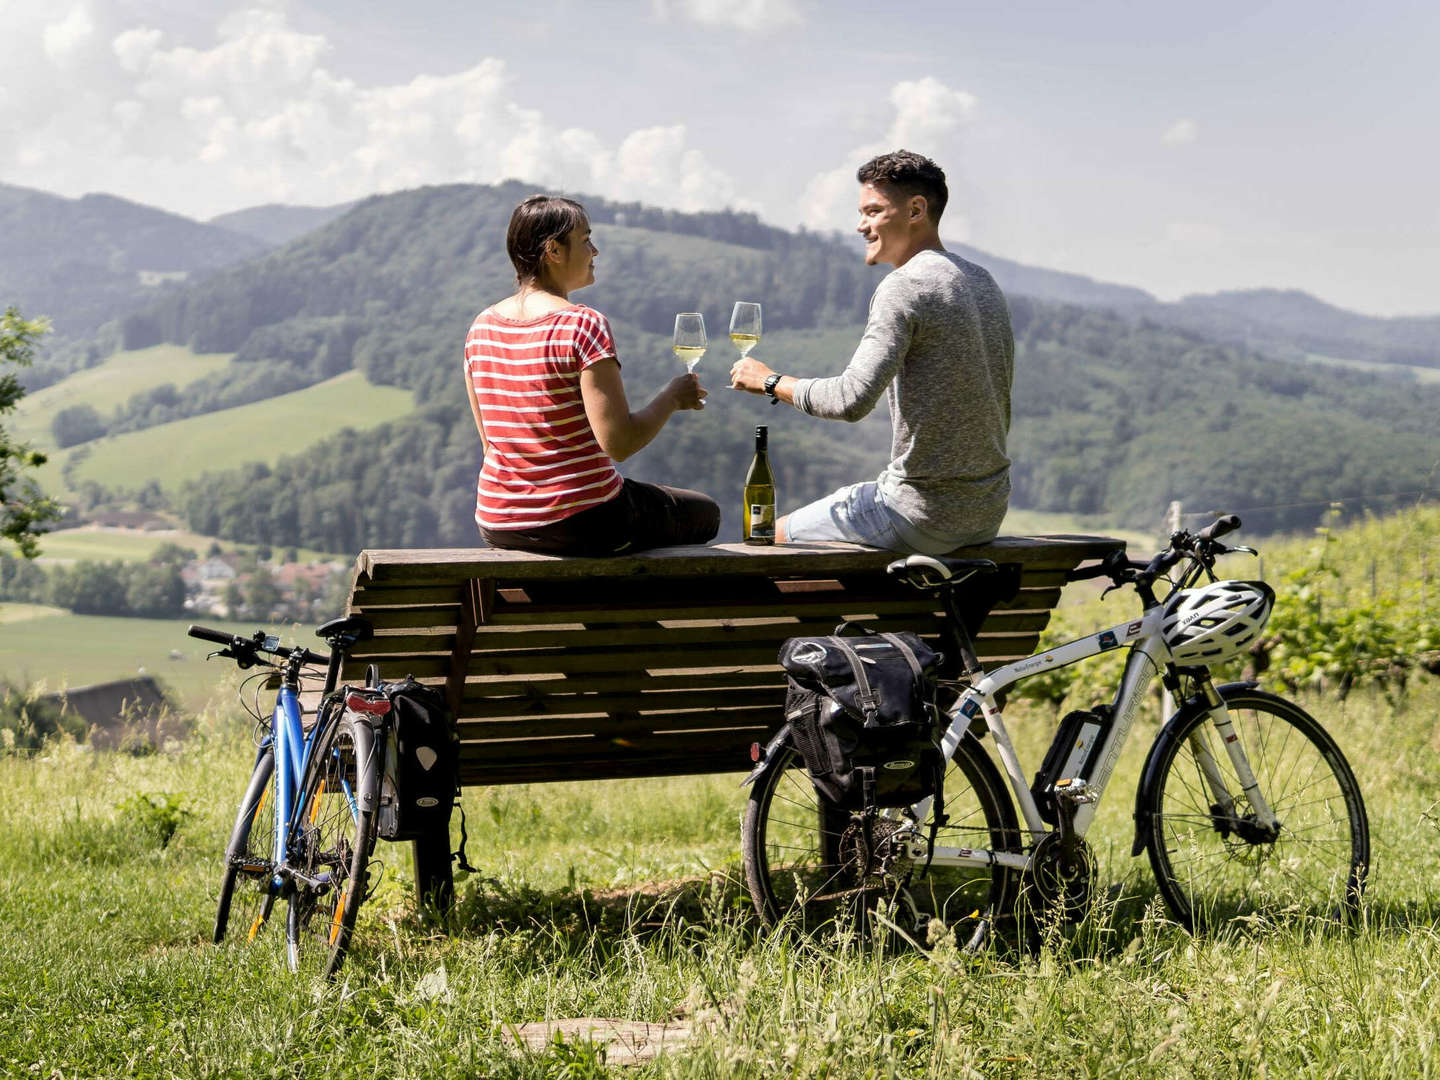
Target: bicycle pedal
{"points": [[1074, 790]]}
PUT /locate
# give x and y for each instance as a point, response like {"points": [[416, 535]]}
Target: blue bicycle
{"points": [[305, 829]]}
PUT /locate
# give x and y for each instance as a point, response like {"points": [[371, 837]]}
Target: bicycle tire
{"points": [[792, 842], [333, 845], [1208, 872], [250, 857]]}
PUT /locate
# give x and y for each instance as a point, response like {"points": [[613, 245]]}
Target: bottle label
{"points": [[762, 521]]}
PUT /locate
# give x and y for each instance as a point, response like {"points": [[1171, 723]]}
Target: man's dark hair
{"points": [[908, 174], [535, 222]]}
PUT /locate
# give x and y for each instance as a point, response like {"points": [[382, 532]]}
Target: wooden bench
{"points": [[656, 664]]}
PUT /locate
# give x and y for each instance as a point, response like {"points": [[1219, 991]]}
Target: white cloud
{"points": [[753, 16], [1181, 133], [258, 117], [64, 39], [928, 114]]}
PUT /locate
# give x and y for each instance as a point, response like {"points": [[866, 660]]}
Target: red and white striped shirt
{"points": [[544, 462]]}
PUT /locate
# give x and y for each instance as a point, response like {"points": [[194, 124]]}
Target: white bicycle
{"points": [[1245, 804]]}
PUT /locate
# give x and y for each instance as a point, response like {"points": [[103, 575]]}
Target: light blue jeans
{"points": [[859, 514]]}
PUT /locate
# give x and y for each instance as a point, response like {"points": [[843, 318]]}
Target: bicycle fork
{"points": [[1260, 824]]}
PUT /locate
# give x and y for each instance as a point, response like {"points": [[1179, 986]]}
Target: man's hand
{"points": [[749, 374]]}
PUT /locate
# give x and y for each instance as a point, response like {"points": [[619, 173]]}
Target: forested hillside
{"points": [[88, 260], [1116, 413]]}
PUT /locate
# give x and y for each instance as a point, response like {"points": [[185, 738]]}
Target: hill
{"points": [[88, 260], [1117, 410], [275, 224], [1288, 321]]}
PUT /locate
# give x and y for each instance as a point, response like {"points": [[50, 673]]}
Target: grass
{"points": [[17, 613], [581, 909], [622, 899], [58, 649], [102, 544], [264, 431], [110, 385]]}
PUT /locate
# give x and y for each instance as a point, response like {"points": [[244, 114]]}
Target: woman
{"points": [[544, 385]]}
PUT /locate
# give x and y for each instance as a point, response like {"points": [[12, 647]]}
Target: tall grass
{"points": [[621, 899]]}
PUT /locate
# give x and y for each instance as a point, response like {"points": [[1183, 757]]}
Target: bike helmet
{"points": [[1212, 624]]}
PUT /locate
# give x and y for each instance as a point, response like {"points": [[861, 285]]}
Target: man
{"points": [[938, 345]]}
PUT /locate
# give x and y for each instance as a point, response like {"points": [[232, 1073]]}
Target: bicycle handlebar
{"points": [[244, 650], [1122, 570]]}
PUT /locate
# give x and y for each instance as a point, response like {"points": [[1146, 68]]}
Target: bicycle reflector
{"points": [[377, 706]]}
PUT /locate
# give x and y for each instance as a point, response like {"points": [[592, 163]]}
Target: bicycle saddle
{"points": [[934, 571], [346, 631]]}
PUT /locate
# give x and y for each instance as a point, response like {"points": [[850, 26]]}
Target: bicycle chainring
{"points": [[1060, 880]]}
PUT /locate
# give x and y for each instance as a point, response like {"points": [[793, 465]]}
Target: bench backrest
{"points": [[654, 664]]}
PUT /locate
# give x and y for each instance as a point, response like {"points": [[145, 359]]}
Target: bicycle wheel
{"points": [[247, 892], [802, 855], [332, 847], [1213, 867]]}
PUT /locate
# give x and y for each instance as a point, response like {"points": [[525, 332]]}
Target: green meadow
{"points": [[622, 900], [111, 384], [264, 431]]}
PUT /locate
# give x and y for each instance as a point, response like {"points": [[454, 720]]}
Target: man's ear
{"points": [[919, 208]]}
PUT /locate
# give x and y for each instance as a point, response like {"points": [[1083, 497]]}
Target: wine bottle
{"points": [[759, 510]]}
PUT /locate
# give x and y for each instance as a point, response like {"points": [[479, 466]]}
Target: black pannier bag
{"points": [[420, 771], [862, 714]]}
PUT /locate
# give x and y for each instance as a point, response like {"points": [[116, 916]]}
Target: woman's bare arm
{"points": [[619, 431]]}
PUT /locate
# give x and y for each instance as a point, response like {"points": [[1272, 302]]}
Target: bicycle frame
{"points": [[1149, 656], [292, 753]]}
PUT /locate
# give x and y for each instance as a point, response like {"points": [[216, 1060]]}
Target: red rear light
{"points": [[374, 706], [754, 751]]}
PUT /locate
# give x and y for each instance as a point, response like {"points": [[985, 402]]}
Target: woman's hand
{"points": [[686, 392], [749, 374]]}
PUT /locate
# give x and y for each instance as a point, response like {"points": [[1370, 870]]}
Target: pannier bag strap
{"points": [[906, 652], [866, 698]]}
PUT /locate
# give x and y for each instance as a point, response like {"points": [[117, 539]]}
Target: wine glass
{"points": [[690, 341], [745, 327]]}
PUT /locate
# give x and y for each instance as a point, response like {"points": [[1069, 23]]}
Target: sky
{"points": [[1180, 148]]}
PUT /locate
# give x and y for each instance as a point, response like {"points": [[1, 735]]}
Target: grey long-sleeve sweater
{"points": [[938, 345]]}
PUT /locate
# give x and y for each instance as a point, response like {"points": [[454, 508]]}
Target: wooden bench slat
{"points": [[504, 640], [632, 727], [446, 565], [591, 703]]}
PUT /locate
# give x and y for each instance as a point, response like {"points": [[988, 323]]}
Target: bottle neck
{"points": [[762, 439]]}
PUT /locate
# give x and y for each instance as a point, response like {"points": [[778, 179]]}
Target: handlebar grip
{"points": [[206, 634], [1227, 524], [313, 657], [1085, 573]]}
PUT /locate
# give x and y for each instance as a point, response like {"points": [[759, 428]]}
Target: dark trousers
{"points": [[642, 516]]}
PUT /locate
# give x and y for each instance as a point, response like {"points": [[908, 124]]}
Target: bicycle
{"points": [[305, 829], [1273, 824]]}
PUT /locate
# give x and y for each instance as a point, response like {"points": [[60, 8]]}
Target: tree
{"points": [[75, 425], [23, 506]]}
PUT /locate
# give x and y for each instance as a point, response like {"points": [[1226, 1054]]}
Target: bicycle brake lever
{"points": [[1108, 590]]}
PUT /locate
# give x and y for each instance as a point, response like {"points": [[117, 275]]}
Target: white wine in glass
{"points": [[690, 340], [745, 327]]}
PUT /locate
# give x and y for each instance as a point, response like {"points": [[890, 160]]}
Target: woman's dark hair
{"points": [[908, 174], [535, 222]]}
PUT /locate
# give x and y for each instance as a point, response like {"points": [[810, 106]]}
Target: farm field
{"points": [[111, 384], [264, 431], [100, 544], [57, 649]]}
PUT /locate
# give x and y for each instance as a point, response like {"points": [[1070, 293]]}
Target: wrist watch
{"points": [[771, 381]]}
